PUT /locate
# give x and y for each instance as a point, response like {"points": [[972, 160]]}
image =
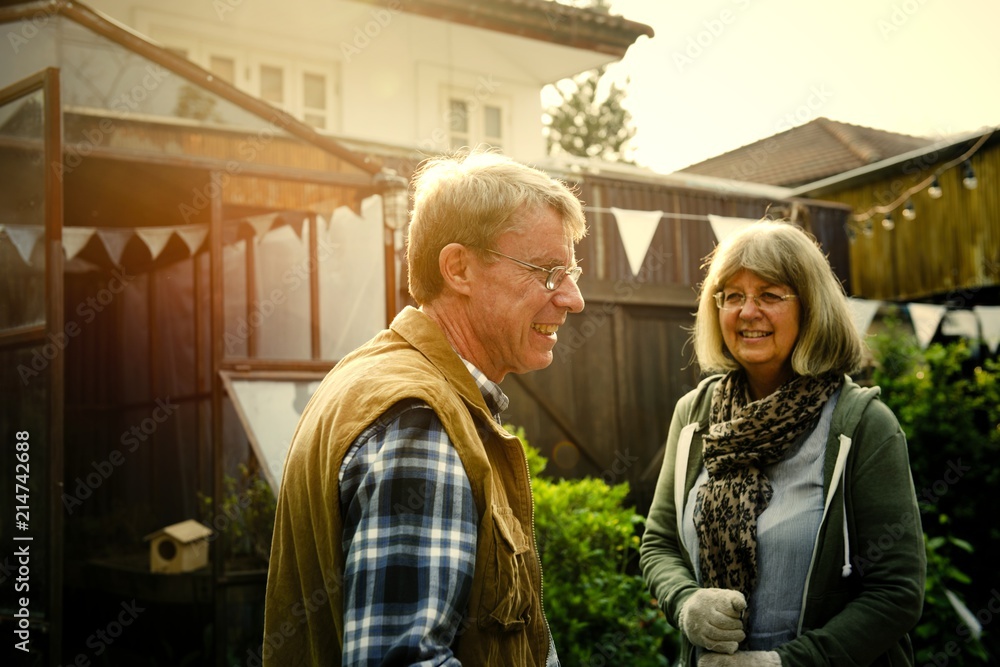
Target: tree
{"points": [[586, 125]]}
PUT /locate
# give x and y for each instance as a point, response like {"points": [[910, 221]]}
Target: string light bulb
{"points": [[909, 212], [969, 176], [864, 221], [934, 191]]}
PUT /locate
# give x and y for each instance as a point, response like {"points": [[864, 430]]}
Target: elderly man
{"points": [[404, 527]]}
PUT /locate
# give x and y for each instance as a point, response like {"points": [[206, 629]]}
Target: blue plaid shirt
{"points": [[410, 532]]}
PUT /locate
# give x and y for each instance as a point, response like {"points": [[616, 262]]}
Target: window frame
{"points": [[180, 33], [476, 134]]}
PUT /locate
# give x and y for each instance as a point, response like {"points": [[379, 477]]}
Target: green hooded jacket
{"points": [[865, 586]]}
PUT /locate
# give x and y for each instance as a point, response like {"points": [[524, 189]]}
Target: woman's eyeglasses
{"points": [[763, 301]]}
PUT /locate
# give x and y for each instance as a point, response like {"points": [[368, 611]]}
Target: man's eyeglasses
{"points": [[554, 275], [764, 300]]}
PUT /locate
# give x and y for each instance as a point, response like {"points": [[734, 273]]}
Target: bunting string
{"points": [[115, 239]]}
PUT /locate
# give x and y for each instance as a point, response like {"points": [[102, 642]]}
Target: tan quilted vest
{"points": [[303, 622]]}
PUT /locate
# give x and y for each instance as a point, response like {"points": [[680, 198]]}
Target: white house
{"points": [[422, 75]]}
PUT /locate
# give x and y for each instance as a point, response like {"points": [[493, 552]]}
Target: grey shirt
{"points": [[786, 533]]}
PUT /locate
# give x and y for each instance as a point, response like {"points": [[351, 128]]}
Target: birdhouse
{"points": [[181, 547]]}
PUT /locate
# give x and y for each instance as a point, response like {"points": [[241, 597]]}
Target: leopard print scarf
{"points": [[743, 437]]}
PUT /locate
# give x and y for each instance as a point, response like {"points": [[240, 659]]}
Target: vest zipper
{"points": [[538, 558]]}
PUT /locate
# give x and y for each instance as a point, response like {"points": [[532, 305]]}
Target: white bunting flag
{"points": [[155, 238], [193, 236], [24, 238], [636, 229], [75, 238], [960, 323], [863, 312], [261, 223], [925, 317], [989, 320], [723, 226], [114, 241]]}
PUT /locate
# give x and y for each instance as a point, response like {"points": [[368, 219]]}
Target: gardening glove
{"points": [[712, 618], [741, 659]]}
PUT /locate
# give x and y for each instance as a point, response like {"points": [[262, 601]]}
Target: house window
{"points": [[315, 99], [223, 67], [305, 88], [458, 117], [272, 84], [493, 125], [472, 122]]}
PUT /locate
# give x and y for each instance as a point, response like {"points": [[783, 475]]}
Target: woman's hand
{"points": [[713, 618]]}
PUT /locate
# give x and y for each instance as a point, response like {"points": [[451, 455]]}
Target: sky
{"points": [[720, 74]]}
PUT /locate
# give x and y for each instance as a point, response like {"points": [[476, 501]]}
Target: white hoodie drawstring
{"points": [[845, 571]]}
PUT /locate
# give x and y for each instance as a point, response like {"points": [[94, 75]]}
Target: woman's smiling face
{"points": [[761, 340]]}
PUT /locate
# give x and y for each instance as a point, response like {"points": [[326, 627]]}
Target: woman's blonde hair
{"points": [[472, 199], [783, 254]]}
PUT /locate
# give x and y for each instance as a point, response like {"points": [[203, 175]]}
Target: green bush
{"points": [[247, 517], [599, 609], [949, 407]]}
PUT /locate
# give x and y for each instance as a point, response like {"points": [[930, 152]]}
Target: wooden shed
{"points": [[173, 252], [925, 225]]}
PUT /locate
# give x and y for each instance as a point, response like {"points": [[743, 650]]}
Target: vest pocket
{"points": [[507, 586]]}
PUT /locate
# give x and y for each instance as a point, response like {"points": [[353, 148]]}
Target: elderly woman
{"points": [[784, 529]]}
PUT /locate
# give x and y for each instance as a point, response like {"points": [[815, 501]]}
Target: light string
{"points": [[861, 221]]}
